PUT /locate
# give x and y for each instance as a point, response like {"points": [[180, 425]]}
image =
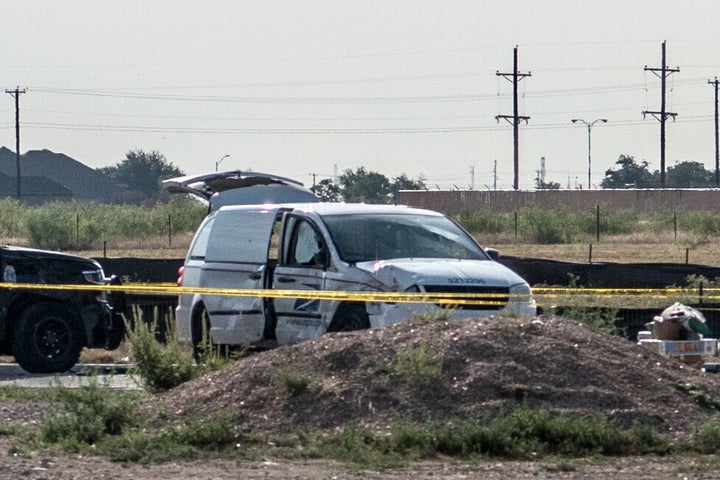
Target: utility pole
{"points": [[472, 177], [495, 175], [16, 94], [662, 73], [717, 135], [515, 118]]}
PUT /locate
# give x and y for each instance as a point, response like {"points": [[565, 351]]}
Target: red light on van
{"points": [[181, 271]]}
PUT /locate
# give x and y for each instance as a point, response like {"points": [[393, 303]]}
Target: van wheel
{"points": [[203, 346], [47, 339], [350, 317]]}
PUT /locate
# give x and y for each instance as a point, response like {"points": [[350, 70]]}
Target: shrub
{"points": [[85, 415], [418, 364], [159, 366], [548, 226], [707, 438], [290, 381]]}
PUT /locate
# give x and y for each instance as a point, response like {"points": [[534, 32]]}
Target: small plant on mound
{"points": [[290, 381], [442, 315], [699, 395], [417, 364]]}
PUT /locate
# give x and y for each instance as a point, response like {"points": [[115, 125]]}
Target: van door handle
{"points": [[255, 276], [285, 279]]}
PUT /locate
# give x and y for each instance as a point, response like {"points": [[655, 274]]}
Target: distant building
{"points": [[47, 176]]}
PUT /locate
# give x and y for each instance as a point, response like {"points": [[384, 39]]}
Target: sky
{"points": [[309, 89]]}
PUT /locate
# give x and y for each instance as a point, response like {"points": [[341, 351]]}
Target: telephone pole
{"points": [[515, 118], [662, 73], [717, 135], [16, 94]]}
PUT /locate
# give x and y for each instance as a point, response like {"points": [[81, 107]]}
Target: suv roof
{"points": [[238, 187]]}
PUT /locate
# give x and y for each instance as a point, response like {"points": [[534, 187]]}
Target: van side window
{"points": [[274, 248], [305, 247], [198, 249]]}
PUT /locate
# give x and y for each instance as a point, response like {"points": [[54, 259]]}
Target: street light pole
{"points": [[217, 164], [589, 126]]}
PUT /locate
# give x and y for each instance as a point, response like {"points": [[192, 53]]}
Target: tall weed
{"points": [[160, 366]]}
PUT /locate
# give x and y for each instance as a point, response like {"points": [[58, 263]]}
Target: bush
{"points": [[418, 364], [707, 438], [159, 366], [86, 415]]}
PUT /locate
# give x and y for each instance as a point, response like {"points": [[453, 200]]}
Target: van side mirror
{"points": [[493, 253]]}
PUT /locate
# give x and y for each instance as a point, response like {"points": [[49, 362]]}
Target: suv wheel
{"points": [[47, 339]]}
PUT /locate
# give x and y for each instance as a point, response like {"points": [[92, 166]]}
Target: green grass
{"points": [[98, 420]]}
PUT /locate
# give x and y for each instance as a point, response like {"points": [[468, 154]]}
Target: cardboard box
{"points": [[672, 348]]}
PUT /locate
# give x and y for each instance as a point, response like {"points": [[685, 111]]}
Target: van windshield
{"points": [[368, 237]]}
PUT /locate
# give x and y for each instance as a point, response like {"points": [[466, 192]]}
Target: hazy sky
{"points": [[310, 87]]}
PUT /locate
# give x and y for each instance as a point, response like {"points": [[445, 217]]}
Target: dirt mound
{"points": [[488, 365]]}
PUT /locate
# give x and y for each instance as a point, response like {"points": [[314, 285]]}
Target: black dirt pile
{"points": [[488, 365]]}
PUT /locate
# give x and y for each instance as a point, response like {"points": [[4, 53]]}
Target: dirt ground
{"points": [[488, 365]]}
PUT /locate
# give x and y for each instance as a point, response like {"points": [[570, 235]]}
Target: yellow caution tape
{"points": [[543, 295]]}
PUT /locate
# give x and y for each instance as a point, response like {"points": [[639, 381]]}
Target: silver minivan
{"points": [[329, 247]]}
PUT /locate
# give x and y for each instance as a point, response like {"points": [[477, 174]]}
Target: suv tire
{"points": [[47, 339]]}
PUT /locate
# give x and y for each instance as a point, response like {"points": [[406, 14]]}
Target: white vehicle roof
{"points": [[338, 208]]}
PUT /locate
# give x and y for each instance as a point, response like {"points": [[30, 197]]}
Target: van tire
{"points": [[350, 317]]}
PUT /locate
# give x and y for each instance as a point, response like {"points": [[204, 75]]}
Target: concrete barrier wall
{"points": [[645, 200]]}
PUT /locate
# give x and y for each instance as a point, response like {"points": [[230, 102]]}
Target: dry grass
{"points": [[142, 247], [640, 248], [636, 248]]}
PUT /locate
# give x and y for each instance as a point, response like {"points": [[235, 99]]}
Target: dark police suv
{"points": [[46, 329]]}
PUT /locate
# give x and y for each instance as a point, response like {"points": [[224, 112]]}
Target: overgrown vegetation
{"points": [[78, 225], [521, 434], [160, 366], [82, 225], [567, 226], [95, 419]]}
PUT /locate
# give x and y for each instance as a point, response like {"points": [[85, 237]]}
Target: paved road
{"points": [[114, 376]]}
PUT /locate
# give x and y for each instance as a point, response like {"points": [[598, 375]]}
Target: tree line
{"points": [[628, 173], [143, 172]]}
